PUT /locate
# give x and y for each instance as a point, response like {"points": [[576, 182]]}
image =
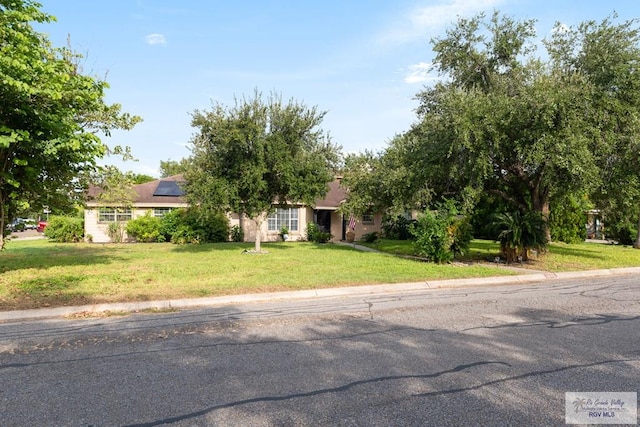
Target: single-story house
{"points": [[160, 196]]}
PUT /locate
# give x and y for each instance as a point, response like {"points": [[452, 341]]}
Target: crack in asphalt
{"points": [[313, 393]]}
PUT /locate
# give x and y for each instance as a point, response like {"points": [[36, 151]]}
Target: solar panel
{"points": [[168, 188]]}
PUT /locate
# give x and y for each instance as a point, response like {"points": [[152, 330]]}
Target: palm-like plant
{"points": [[519, 233]]}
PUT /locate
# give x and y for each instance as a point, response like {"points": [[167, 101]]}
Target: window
{"points": [[367, 218], [160, 212], [287, 217], [113, 214]]}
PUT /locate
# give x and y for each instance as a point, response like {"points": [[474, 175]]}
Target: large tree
{"points": [[505, 122], [607, 54], [258, 153], [51, 115]]}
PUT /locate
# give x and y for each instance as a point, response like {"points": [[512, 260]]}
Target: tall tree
{"points": [[174, 167], [50, 115], [258, 153], [607, 54], [507, 123]]}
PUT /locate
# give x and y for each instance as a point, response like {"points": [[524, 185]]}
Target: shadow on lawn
{"points": [[58, 255]]}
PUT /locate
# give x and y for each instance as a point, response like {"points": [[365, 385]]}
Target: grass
{"points": [[38, 273], [559, 256]]}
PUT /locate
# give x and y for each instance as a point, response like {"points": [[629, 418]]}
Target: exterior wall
{"points": [[98, 230], [249, 227], [362, 229]]}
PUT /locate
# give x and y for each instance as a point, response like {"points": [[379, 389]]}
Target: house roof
{"points": [[334, 197], [161, 191]]}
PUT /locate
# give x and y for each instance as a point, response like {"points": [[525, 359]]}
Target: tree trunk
{"points": [[258, 221], [541, 205], [637, 243]]}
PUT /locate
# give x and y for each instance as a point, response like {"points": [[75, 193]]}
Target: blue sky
{"points": [[361, 61]]}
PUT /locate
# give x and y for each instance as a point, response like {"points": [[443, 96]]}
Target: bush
{"points": [[65, 229], [567, 220], [431, 237], [145, 229], [237, 234], [195, 225], [370, 237], [398, 228], [624, 231], [519, 233], [314, 234], [441, 235], [115, 231]]}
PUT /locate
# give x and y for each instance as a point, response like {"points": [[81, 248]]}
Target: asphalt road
{"points": [[482, 356]]}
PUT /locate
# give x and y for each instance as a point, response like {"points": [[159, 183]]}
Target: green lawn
{"points": [[39, 273], [559, 256]]}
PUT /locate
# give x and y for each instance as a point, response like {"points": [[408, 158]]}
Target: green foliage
{"points": [[284, 232], [621, 230], [431, 238], [568, 219], [172, 167], [398, 228], [64, 229], [115, 231], [194, 225], [519, 233], [370, 237], [441, 235], [314, 234], [50, 116], [237, 234], [257, 153], [145, 229]]}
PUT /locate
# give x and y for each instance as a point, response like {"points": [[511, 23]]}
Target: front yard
{"points": [[39, 273], [43, 274]]}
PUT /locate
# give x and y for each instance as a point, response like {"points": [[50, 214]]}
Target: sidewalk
{"points": [[366, 290]]}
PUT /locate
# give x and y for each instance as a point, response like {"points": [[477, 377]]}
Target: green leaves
{"points": [[50, 113], [259, 152]]}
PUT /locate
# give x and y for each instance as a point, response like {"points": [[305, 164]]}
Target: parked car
{"points": [[41, 226], [21, 224]]}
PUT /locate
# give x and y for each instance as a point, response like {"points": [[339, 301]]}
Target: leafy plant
{"points": [[371, 237], [315, 234], [519, 233], [145, 228], [115, 231], [398, 228], [65, 229], [284, 232], [443, 234], [237, 234], [431, 237]]}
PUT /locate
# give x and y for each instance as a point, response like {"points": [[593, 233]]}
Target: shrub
{"points": [[519, 233], [195, 225], [370, 237], [65, 229], [431, 237], [567, 220], [314, 234], [145, 228], [441, 235], [398, 228], [115, 231], [237, 234]]}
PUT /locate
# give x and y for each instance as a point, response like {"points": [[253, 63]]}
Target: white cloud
{"points": [[155, 38], [422, 22], [418, 73]]}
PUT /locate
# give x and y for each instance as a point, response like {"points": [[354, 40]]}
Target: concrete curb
{"points": [[18, 315]]}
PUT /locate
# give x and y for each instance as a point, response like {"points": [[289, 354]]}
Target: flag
{"points": [[352, 222]]}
